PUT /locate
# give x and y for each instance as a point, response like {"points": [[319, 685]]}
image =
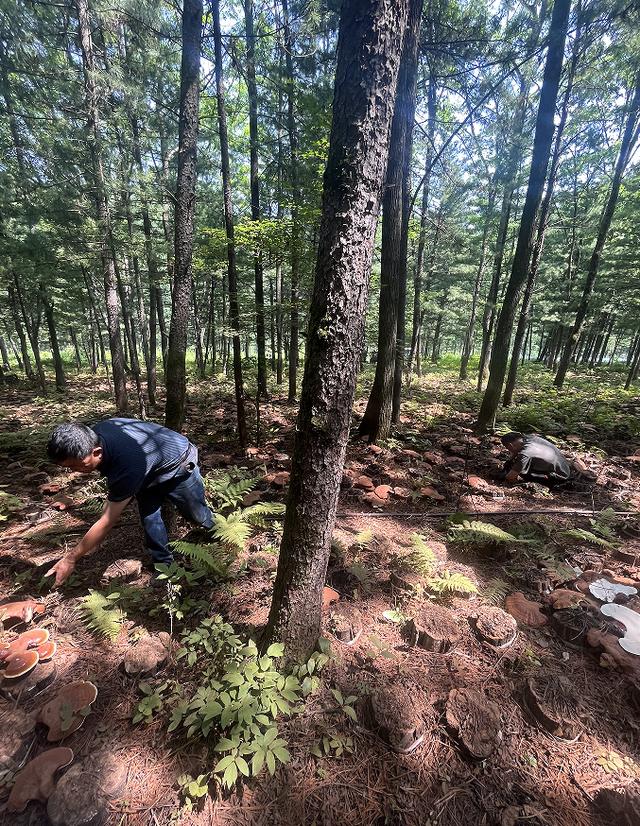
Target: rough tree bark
{"points": [[15, 315], [234, 315], [369, 47], [543, 220], [255, 192], [407, 96], [94, 135], [47, 304], [629, 138], [184, 212], [537, 174], [295, 202], [377, 419]]}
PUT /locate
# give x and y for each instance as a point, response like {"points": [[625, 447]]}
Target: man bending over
{"points": [[534, 459], [140, 460]]}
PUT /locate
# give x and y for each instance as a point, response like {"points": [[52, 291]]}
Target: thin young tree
{"points": [[369, 47], [629, 139], [254, 183], [539, 161], [377, 419], [94, 131], [184, 212], [234, 314]]}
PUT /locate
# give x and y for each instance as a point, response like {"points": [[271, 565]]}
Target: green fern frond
{"points": [[210, 557], [588, 536], [496, 591], [475, 531], [422, 559], [257, 514], [101, 615], [362, 574], [229, 492], [452, 583], [231, 530], [363, 538]]}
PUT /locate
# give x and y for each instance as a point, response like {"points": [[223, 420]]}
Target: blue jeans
{"points": [[186, 492]]}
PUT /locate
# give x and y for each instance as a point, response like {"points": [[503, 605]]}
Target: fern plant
{"points": [[589, 536], [474, 531], [234, 530], [227, 491], [448, 583], [496, 591], [363, 538], [422, 559], [101, 615], [212, 558], [256, 515]]}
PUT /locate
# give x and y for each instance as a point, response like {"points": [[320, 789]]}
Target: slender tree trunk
{"points": [[467, 345], [175, 378], [234, 314], [435, 349], [102, 207], [76, 348], [424, 217], [272, 326], [377, 419], [295, 202], [15, 315], [634, 366], [4, 353], [47, 303], [32, 326], [629, 139], [540, 158], [254, 179], [543, 220], [369, 47], [407, 97]]}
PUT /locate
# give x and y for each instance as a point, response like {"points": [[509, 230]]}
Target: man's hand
{"points": [[62, 570]]}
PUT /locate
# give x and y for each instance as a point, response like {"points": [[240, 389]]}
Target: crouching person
{"points": [[142, 461], [534, 459]]}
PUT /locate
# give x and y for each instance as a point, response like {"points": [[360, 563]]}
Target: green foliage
{"points": [[213, 559], [588, 536], [9, 504], [475, 532], [422, 559], [257, 514], [345, 704], [363, 538], [193, 789], [101, 615], [151, 703], [496, 591], [395, 616], [363, 574], [448, 583], [227, 491], [332, 744]]}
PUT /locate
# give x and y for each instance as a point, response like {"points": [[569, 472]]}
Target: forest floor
{"points": [[535, 732]]}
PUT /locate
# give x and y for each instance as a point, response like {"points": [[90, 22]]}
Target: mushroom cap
{"points": [[47, 650], [22, 611], [20, 664], [35, 780], [28, 639], [60, 714]]}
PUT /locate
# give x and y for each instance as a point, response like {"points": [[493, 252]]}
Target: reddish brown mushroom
{"points": [[46, 650], [65, 713], [28, 639], [20, 664], [22, 611], [36, 780], [525, 611]]}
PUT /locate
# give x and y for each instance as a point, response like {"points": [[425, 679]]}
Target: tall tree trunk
{"points": [[47, 304], [540, 158], [17, 323], [254, 180], [407, 97], [175, 378], [424, 215], [32, 326], [76, 348], [234, 314], [543, 220], [102, 207], [629, 139], [295, 202], [467, 345], [369, 47], [634, 364], [377, 419]]}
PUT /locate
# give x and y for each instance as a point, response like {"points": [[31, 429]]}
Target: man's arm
{"points": [[89, 542]]}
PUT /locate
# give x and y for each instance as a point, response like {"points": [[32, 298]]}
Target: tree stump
{"points": [[495, 627], [345, 623], [434, 628], [148, 655], [397, 712], [554, 705], [475, 721]]}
